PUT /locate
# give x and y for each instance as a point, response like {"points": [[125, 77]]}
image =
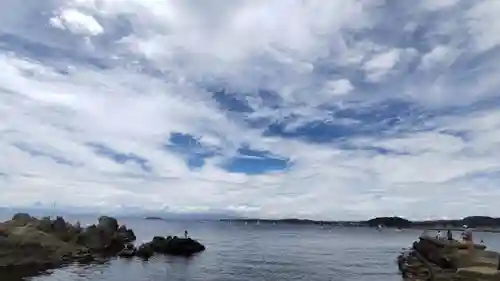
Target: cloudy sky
{"points": [[317, 109]]}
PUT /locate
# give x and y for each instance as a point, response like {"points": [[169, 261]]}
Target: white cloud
{"points": [[484, 25], [379, 65], [339, 87], [145, 78], [77, 23], [440, 56]]}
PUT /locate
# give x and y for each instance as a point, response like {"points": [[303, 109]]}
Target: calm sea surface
{"points": [[259, 252]]}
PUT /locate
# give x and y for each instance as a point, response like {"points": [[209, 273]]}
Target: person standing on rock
{"points": [[185, 234]]}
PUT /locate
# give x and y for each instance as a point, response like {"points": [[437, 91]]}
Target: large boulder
{"points": [[145, 251], [101, 240], [108, 224], [127, 235], [128, 252], [21, 219], [94, 238]]}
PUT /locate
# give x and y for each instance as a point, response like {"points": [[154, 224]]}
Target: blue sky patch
{"points": [[190, 148], [251, 161]]}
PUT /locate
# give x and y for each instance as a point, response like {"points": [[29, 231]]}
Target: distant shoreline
{"points": [[478, 223]]}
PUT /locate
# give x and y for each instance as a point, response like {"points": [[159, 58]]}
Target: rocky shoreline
{"points": [[29, 244]]}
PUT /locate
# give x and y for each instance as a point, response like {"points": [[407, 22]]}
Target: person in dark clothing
{"points": [[185, 234], [449, 235]]}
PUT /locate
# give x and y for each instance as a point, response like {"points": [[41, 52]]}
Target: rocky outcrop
{"points": [[127, 235], [176, 246], [23, 246], [30, 244], [145, 251], [437, 259], [167, 246], [26, 241]]}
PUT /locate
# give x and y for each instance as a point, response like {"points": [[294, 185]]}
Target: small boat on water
{"points": [[434, 259]]}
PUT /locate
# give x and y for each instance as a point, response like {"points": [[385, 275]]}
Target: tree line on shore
{"points": [[396, 222]]}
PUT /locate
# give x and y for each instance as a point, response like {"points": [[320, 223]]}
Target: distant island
{"points": [[154, 218], [483, 222]]}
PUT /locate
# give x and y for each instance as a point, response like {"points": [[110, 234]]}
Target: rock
{"points": [[102, 239], [176, 246], [77, 227], [22, 219], [45, 225], [108, 224], [28, 244], [59, 225], [127, 235], [94, 238], [128, 252], [145, 251]]}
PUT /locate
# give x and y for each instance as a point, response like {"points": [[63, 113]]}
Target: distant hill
{"points": [[392, 222]]}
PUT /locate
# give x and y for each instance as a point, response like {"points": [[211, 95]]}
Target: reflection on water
{"points": [[260, 252]]}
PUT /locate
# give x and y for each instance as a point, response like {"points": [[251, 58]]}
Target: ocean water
{"points": [[258, 252]]}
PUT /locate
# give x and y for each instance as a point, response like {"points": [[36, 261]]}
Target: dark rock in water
{"points": [[145, 251], [106, 237], [101, 241], [127, 235], [176, 246], [108, 224], [129, 251]]}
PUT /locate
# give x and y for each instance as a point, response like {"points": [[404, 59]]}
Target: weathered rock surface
{"points": [[145, 251], [168, 246], [28, 242], [176, 246], [439, 259]]}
